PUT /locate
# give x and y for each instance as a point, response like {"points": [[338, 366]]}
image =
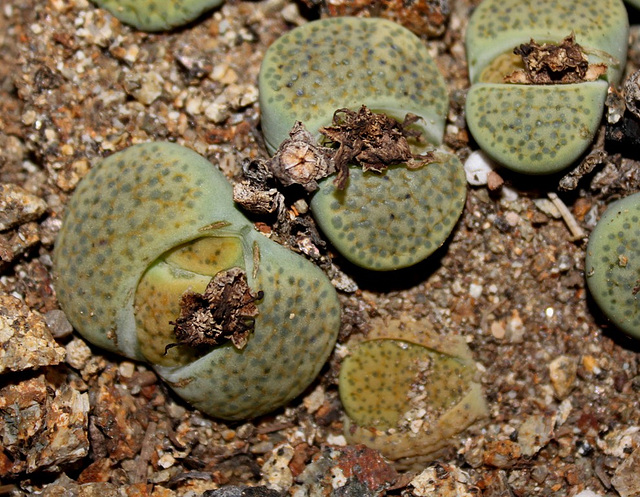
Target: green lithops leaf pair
{"points": [[540, 129], [612, 264], [157, 220], [407, 391], [157, 15], [379, 221]]}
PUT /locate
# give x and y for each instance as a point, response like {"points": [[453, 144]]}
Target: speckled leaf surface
{"points": [[157, 15], [127, 211], [325, 65], [498, 26], [612, 265], [394, 219], [127, 218], [535, 129], [295, 333]]}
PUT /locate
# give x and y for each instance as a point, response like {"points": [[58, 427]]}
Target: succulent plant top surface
{"points": [[537, 112], [152, 223], [157, 15], [394, 219], [535, 129], [322, 66], [612, 265], [407, 390], [498, 26]]}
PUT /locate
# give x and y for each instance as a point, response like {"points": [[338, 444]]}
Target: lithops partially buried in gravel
{"points": [[147, 231], [157, 15], [407, 391], [612, 264], [536, 128], [380, 221]]}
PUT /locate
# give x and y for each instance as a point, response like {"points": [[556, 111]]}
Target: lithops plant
{"points": [[534, 128], [612, 264], [156, 222], [157, 15], [407, 391], [379, 221]]}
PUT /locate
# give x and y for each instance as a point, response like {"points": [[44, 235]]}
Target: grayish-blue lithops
{"points": [[612, 265], [538, 129], [379, 221], [156, 220], [319, 67], [393, 219], [157, 15]]}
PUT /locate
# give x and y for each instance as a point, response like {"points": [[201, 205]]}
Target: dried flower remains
{"points": [[371, 140], [225, 311], [550, 63]]}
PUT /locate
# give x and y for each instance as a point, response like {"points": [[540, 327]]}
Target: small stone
{"points": [[275, 471], [502, 454], [443, 480], [475, 290], [17, 206], [145, 88], [217, 112], [620, 442], [126, 369], [627, 477], [315, 399], [515, 328], [78, 353], [512, 219], [535, 433], [477, 168], [166, 461], [42, 426], [25, 340], [494, 181], [497, 330], [547, 207], [58, 324], [563, 371]]}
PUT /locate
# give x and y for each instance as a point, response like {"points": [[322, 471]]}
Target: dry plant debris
{"points": [[300, 160], [225, 311], [550, 64], [373, 141]]}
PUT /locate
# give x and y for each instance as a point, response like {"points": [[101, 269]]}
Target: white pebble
{"points": [[475, 290], [477, 168]]}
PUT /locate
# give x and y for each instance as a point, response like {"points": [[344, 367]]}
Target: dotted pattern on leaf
{"points": [[294, 334], [130, 213], [127, 211], [157, 15], [376, 378], [394, 219], [535, 129], [612, 264], [325, 65]]}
